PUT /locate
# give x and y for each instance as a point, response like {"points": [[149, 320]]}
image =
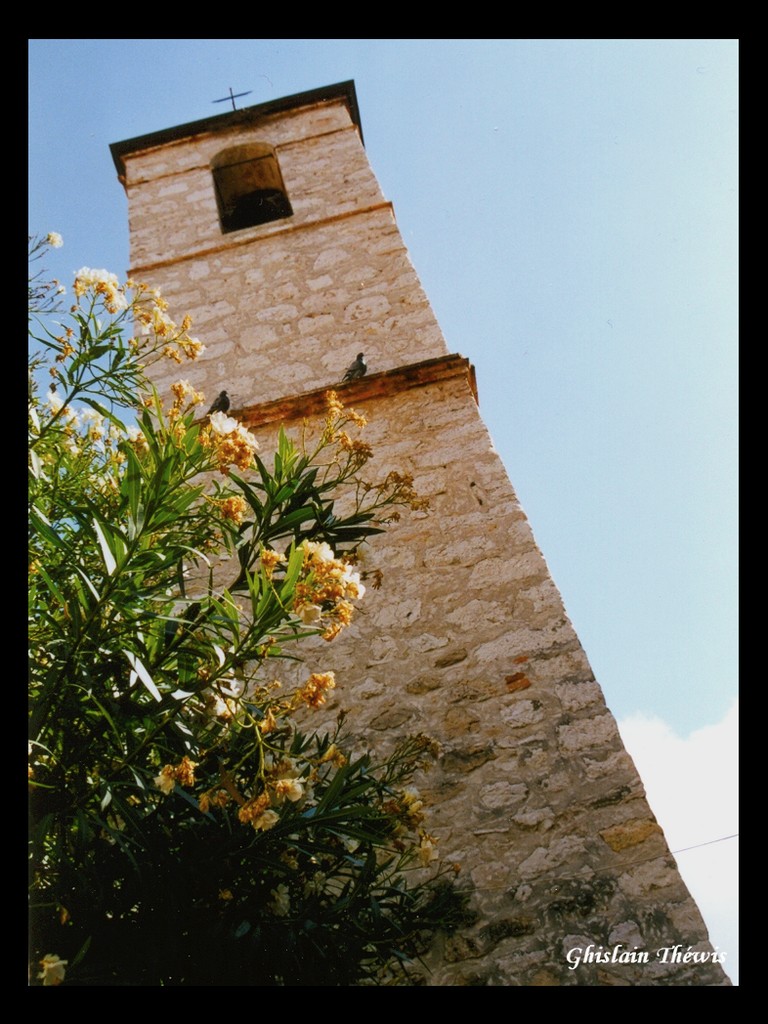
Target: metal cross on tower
{"points": [[233, 96]]}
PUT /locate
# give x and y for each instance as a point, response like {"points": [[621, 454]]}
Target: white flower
{"points": [[314, 885], [54, 239], [310, 614], [54, 401], [352, 585], [246, 436], [412, 798], [53, 969], [96, 421], [219, 707], [322, 551], [290, 789], [89, 276], [104, 283], [165, 783], [427, 849], [223, 424], [280, 904], [266, 821], [232, 686]]}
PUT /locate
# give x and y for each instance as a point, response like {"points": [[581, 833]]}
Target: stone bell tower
{"points": [[267, 224]]}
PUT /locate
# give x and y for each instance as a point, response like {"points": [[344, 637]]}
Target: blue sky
{"points": [[570, 206]]}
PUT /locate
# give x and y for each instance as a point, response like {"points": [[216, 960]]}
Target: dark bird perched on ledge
{"points": [[220, 404], [356, 369]]}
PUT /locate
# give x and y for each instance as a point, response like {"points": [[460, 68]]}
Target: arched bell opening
{"points": [[249, 186]]}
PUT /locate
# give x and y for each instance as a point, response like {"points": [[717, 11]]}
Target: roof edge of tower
{"points": [[340, 90]]}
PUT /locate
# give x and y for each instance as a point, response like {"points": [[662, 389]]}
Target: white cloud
{"points": [[692, 787]]}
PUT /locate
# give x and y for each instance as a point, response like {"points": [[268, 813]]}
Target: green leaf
{"points": [[90, 355], [80, 953], [110, 721], [54, 589], [43, 527], [286, 491], [229, 608], [140, 671], [89, 584], [266, 476], [131, 490], [250, 494], [301, 515], [106, 551]]}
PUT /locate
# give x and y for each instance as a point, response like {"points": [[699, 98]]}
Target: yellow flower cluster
{"points": [[270, 560], [334, 403], [189, 347], [337, 416], [148, 307], [103, 283], [278, 781], [183, 772], [67, 349], [256, 813], [231, 443], [314, 691], [337, 409], [217, 798], [253, 809], [359, 450], [184, 396], [412, 805], [233, 508], [325, 588], [397, 488], [150, 311], [334, 755]]}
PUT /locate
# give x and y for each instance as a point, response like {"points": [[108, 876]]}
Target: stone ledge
{"points": [[377, 385]]}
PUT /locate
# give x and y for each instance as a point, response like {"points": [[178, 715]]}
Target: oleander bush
{"points": [[188, 826]]}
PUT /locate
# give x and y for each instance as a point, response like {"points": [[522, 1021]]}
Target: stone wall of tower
{"points": [[467, 639]]}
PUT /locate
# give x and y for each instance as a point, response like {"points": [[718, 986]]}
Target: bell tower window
{"points": [[249, 186]]}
